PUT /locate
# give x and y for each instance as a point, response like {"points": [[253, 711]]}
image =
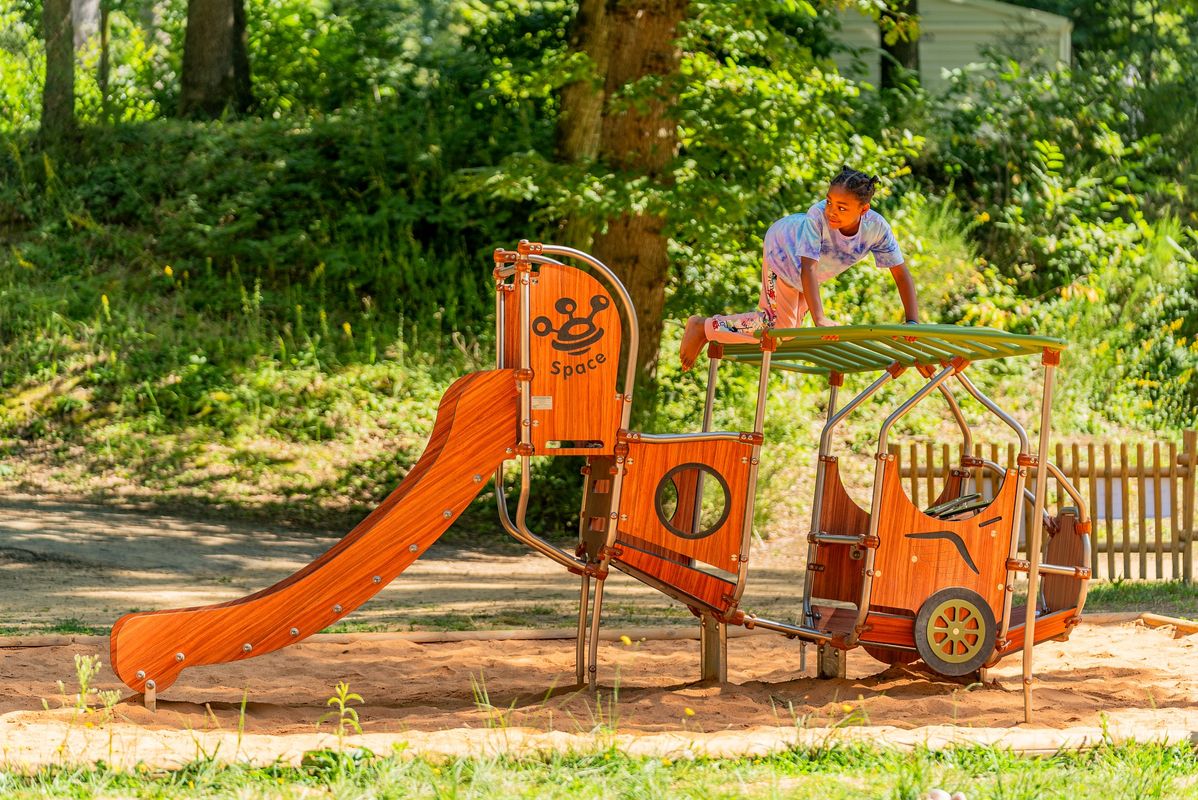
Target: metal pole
{"points": [[580, 644], [1051, 359]]}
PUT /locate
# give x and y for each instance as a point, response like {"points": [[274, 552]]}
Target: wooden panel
{"points": [[708, 589], [1065, 549], [919, 555], [1048, 626], [476, 423], [574, 355], [889, 629], [645, 467], [842, 577]]}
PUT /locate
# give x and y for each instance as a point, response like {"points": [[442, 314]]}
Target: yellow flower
{"points": [[626, 640], [690, 712], [345, 326], [847, 708], [168, 271]]}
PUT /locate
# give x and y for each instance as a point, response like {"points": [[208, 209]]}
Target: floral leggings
{"points": [[781, 306]]}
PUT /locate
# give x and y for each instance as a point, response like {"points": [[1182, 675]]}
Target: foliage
{"points": [[835, 771]]}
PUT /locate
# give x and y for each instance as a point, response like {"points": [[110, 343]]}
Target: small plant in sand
{"points": [[345, 715], [86, 669]]}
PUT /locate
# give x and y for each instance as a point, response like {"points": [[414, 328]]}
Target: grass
{"points": [[1171, 598], [1111, 771]]}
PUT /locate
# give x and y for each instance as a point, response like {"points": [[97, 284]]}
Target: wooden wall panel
{"points": [[842, 576], [649, 462], [919, 555], [575, 355]]}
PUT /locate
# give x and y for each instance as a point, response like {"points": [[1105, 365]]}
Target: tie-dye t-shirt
{"points": [[808, 235]]}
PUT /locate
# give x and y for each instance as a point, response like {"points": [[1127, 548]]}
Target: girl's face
{"points": [[844, 210]]}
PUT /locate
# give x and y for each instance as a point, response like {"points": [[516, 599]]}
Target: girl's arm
{"points": [[906, 290], [811, 293]]}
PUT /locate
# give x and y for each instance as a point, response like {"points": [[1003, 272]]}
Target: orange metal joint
{"points": [[768, 343], [896, 369], [735, 618], [1051, 358], [926, 370], [524, 375], [815, 567], [835, 378], [871, 542], [1082, 527], [1074, 621], [715, 350], [959, 364], [524, 449], [972, 461], [828, 459], [527, 248], [1018, 565], [504, 256], [751, 437], [1027, 460]]}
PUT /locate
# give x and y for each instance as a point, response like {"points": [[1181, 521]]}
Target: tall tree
{"points": [[215, 66], [900, 41], [620, 114], [58, 94]]}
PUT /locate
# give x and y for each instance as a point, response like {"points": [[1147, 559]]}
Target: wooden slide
{"points": [[476, 429]]}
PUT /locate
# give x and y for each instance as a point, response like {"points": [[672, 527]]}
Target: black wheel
{"points": [[955, 631]]}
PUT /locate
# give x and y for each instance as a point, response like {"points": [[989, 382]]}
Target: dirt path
{"points": [[73, 567]]}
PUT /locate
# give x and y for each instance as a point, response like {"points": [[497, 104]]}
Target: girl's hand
{"points": [[824, 322]]}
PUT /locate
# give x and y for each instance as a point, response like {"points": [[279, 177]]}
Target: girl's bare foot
{"points": [[693, 339]]}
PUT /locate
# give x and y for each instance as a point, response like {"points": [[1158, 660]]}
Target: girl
{"points": [[801, 252]]}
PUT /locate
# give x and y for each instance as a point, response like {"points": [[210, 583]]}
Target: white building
{"points": [[954, 33]]}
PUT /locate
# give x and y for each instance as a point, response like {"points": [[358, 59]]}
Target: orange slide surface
{"points": [[476, 426]]}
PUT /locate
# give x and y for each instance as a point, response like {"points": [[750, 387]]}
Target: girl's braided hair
{"points": [[862, 186]]}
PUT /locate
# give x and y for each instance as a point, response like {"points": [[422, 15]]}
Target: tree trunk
{"points": [[215, 67], [903, 53], [58, 93], [641, 139], [243, 97], [579, 124]]}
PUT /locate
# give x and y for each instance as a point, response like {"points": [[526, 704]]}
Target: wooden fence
{"points": [[1140, 496]]}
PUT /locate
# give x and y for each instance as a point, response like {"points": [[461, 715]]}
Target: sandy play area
{"points": [[481, 696], [67, 563]]}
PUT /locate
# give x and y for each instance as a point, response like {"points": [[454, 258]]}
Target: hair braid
{"points": [[862, 186]]}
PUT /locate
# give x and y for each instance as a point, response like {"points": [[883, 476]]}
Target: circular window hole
{"points": [[692, 501]]}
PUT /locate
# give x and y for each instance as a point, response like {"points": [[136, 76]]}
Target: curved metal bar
{"points": [[932, 384], [1083, 513], [634, 339], [825, 438], [634, 333], [955, 408], [1024, 443], [527, 537]]}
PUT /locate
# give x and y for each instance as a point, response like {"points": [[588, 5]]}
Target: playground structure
{"points": [[675, 510]]}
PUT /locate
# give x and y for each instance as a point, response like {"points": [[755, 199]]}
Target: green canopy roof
{"points": [[868, 348]]}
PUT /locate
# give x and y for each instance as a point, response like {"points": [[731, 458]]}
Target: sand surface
{"points": [[481, 696], [86, 565]]}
